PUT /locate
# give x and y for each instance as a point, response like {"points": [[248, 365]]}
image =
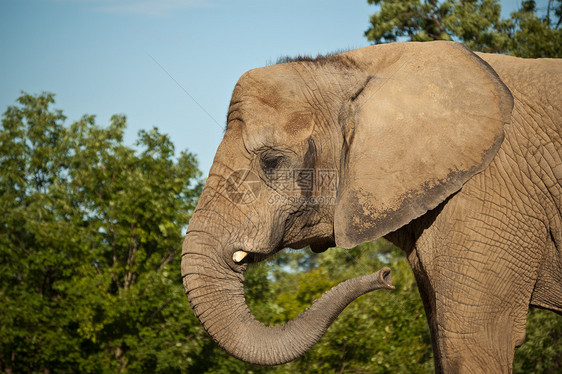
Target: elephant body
{"points": [[454, 157], [495, 247]]}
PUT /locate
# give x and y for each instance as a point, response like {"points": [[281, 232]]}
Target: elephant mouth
{"points": [[242, 258]]}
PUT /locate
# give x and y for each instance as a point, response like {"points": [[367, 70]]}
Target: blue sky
{"points": [[149, 58]]}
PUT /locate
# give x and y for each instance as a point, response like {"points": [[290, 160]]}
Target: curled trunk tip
{"points": [[385, 278]]}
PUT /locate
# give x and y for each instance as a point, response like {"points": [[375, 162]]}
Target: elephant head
{"points": [[338, 150]]}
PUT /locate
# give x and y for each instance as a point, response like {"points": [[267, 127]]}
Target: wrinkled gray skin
{"points": [[454, 157]]}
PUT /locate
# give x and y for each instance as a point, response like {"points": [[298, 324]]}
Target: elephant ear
{"points": [[429, 117]]}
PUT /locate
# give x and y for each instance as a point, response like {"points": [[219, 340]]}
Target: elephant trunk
{"points": [[216, 294]]}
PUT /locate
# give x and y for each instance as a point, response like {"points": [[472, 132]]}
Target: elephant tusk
{"points": [[238, 256]]}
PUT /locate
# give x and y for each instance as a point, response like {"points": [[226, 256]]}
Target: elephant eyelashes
{"points": [[269, 163]]}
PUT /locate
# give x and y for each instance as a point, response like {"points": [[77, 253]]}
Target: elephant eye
{"points": [[270, 162]]}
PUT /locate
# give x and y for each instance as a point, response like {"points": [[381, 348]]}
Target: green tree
{"points": [[476, 23], [90, 231], [532, 36], [542, 350]]}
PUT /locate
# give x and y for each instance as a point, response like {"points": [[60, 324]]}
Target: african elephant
{"points": [[455, 157]]}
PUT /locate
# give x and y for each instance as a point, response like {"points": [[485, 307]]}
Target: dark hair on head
{"points": [[333, 58]]}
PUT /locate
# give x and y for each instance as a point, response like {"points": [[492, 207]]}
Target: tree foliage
{"points": [[89, 236], [476, 23], [542, 350]]}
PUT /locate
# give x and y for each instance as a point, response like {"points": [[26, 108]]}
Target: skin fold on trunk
{"points": [[216, 294]]}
